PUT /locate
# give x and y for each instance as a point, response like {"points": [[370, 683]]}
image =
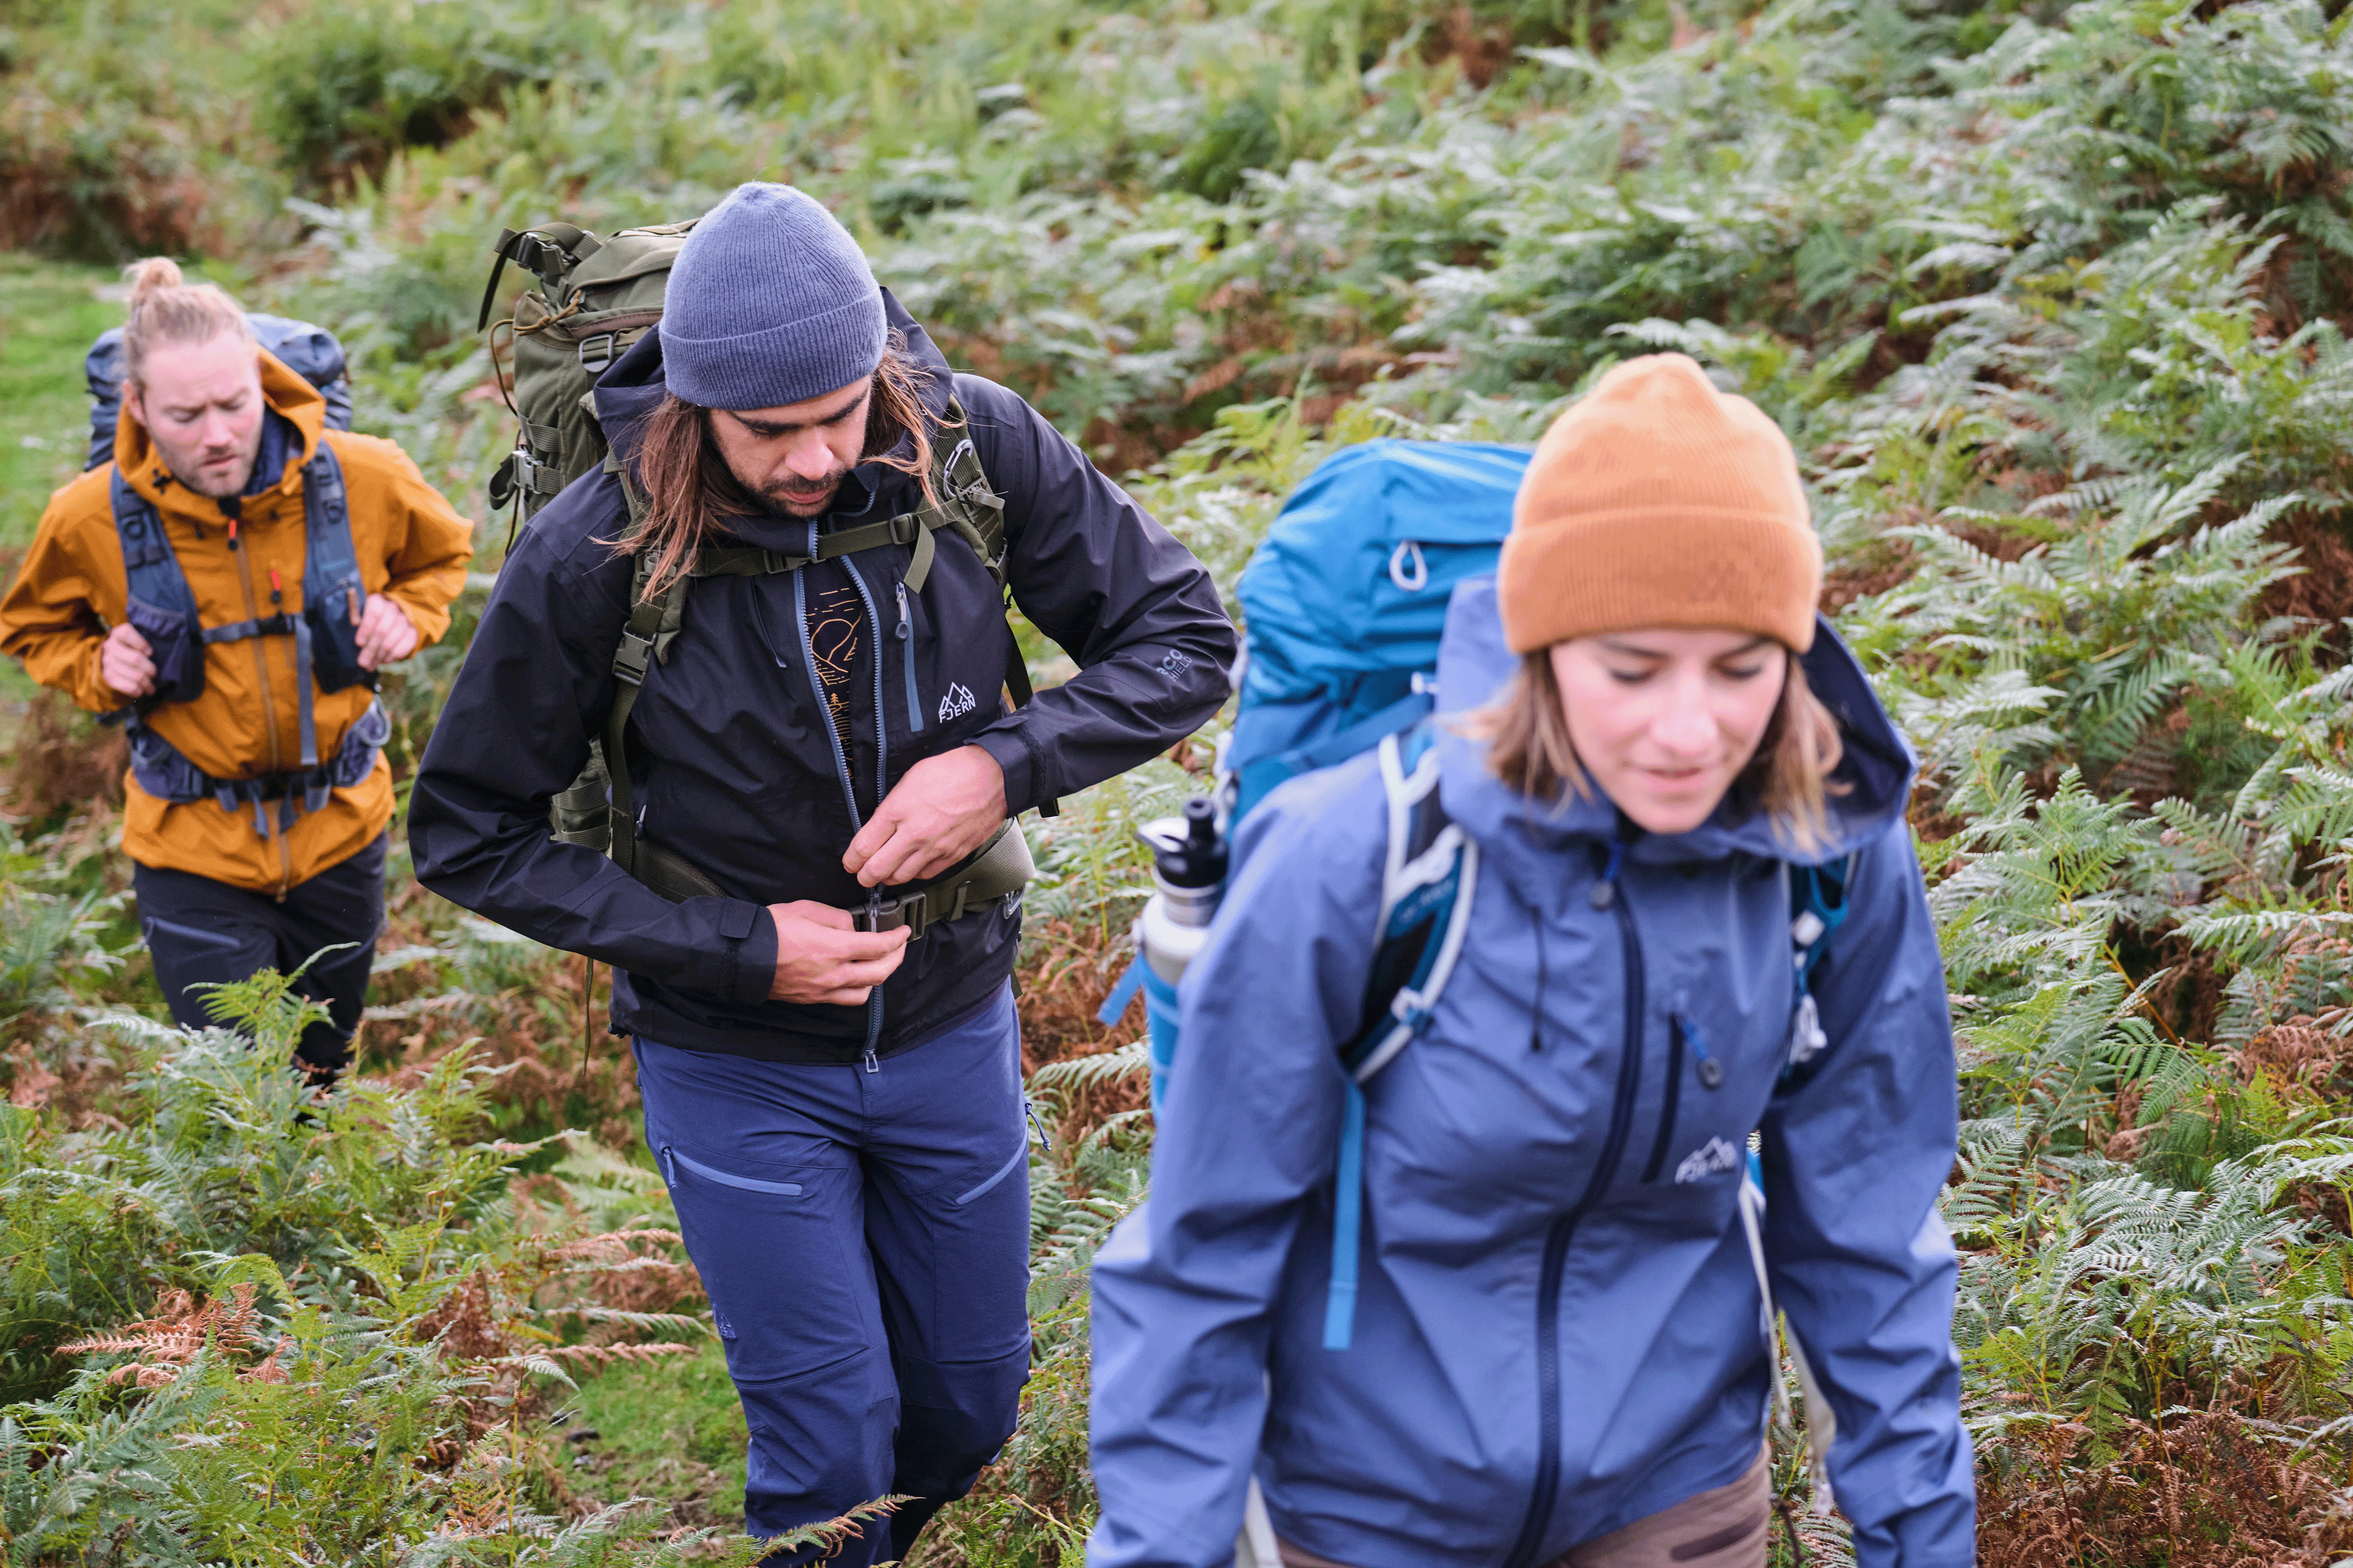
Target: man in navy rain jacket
{"points": [[838, 1111]]}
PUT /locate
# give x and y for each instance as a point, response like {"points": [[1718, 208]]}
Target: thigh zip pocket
{"points": [[727, 1179]]}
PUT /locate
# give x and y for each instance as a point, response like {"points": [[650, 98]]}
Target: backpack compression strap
{"points": [[552, 252], [1428, 878], [1818, 905]]}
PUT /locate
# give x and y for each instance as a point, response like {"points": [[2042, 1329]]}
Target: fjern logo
{"points": [[1712, 1159], [955, 704]]}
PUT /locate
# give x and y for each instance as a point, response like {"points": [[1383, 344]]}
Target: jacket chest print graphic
{"points": [[833, 622], [955, 702]]}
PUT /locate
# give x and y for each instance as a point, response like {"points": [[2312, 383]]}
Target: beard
{"points": [[803, 498], [215, 472]]}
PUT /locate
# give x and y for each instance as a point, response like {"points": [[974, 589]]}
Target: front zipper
{"points": [[907, 657], [841, 759], [881, 788], [1564, 1229]]}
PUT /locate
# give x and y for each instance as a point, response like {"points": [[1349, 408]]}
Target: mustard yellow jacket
{"points": [[411, 545]]}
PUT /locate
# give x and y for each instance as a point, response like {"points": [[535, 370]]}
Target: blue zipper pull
{"points": [[1605, 892], [1709, 1070], [907, 659]]}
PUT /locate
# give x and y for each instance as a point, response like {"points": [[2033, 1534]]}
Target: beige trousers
{"points": [[1725, 1527]]}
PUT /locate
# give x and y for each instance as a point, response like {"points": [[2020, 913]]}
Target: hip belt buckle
{"points": [[882, 914]]}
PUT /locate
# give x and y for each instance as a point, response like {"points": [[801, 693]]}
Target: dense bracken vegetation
{"points": [[2052, 299]]}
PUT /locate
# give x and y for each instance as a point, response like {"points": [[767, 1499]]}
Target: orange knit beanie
{"points": [[1657, 501]]}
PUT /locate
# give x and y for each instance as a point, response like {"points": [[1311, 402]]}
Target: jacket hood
{"points": [[629, 393], [1474, 663], [285, 393]]}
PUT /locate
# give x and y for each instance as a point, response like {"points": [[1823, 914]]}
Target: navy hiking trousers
{"points": [[865, 1240], [199, 930]]}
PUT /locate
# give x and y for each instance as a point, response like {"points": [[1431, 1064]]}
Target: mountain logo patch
{"points": [[1711, 1159], [955, 704]]}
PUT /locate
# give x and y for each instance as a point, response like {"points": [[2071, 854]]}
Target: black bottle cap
{"points": [[1194, 856]]}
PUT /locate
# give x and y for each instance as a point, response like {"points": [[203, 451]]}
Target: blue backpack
{"points": [[1342, 604]]}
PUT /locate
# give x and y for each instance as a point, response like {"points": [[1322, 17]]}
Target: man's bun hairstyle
{"points": [[165, 310]]}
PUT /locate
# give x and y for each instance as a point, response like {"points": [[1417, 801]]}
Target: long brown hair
{"points": [[690, 492], [1526, 731]]}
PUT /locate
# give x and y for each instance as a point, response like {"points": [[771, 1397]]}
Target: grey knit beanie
{"points": [[770, 302]]}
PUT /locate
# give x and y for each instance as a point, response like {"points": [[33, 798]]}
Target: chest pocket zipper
{"points": [[907, 658]]}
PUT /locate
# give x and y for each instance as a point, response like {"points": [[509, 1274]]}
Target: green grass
{"points": [[671, 1430], [49, 312]]}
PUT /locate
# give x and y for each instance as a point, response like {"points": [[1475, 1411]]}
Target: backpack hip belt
{"points": [[162, 608], [164, 772], [999, 869]]}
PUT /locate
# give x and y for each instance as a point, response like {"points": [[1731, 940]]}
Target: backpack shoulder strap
{"points": [[1817, 908], [151, 570], [653, 625], [1430, 874], [148, 559]]}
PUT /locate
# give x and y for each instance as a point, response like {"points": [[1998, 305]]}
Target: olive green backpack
{"points": [[595, 296]]}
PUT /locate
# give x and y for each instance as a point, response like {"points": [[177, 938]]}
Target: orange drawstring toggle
{"points": [[276, 589]]}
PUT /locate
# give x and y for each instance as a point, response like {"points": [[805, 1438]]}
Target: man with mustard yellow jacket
{"points": [[227, 588]]}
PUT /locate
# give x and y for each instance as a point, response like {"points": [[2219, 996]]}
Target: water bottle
{"points": [[1188, 876]]}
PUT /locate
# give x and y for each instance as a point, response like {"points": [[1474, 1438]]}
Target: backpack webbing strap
{"points": [[1430, 878], [551, 251], [654, 623], [1817, 906], [1817, 897]]}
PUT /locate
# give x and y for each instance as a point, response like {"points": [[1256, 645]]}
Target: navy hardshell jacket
{"points": [[1557, 1330], [730, 748]]}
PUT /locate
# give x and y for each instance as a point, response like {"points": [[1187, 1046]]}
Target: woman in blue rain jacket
{"points": [[1559, 1352]]}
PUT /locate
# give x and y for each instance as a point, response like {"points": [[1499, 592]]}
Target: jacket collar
{"points": [[1474, 663], [291, 443]]}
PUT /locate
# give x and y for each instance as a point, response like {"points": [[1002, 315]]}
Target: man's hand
{"points": [[126, 662], [386, 633], [944, 809], [819, 958]]}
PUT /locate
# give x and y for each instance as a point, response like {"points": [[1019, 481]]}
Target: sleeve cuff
{"points": [[1010, 747], [753, 948]]}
